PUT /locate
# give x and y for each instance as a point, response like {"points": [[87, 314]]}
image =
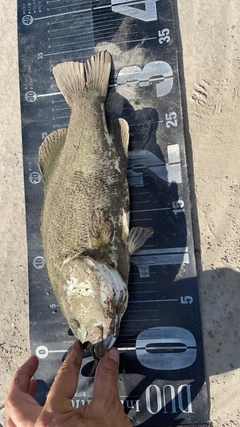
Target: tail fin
{"points": [[75, 78]]}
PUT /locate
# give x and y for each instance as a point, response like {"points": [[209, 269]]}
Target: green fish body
{"points": [[85, 214]]}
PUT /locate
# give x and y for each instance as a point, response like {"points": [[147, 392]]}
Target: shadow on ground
{"points": [[219, 299]]}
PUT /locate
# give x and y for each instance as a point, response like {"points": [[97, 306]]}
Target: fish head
{"points": [[93, 299]]}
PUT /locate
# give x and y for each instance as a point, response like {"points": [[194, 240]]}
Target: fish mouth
{"points": [[93, 339], [100, 349]]}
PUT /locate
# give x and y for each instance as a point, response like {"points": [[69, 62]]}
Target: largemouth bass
{"points": [[85, 214]]}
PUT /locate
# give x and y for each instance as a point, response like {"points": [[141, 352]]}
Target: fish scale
{"points": [[162, 380]]}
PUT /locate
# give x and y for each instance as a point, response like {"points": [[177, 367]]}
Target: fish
{"points": [[85, 214]]}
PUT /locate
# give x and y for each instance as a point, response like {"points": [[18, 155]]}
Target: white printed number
{"points": [[127, 8], [171, 119], [158, 72], [166, 348], [178, 207], [35, 178], [186, 300], [44, 135], [39, 262], [163, 36], [27, 20], [30, 96]]}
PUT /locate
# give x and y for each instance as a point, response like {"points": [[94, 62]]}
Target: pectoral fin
{"points": [[49, 152], [138, 236], [120, 133]]}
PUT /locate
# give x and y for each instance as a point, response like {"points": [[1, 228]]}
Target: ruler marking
{"points": [[107, 25], [57, 1], [49, 94], [62, 125], [150, 210], [96, 40], [181, 250], [63, 14], [134, 41], [127, 349], [63, 117], [152, 282], [142, 292], [153, 300], [64, 21], [140, 219], [138, 193], [67, 51], [61, 109], [137, 311], [101, 7], [52, 30], [63, 6], [85, 37], [67, 36], [142, 202]]}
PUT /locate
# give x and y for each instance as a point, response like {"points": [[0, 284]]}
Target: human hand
{"points": [[105, 409]]}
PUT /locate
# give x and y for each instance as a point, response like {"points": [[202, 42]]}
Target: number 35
{"points": [[163, 36]]}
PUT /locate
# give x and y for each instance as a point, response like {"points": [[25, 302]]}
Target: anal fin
{"points": [[137, 237], [49, 152]]}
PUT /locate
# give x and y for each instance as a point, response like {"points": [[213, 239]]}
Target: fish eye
{"points": [[74, 324]]}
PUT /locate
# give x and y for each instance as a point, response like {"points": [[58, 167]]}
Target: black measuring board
{"points": [[162, 379]]}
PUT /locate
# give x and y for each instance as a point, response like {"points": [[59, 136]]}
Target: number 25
{"points": [[171, 119]]}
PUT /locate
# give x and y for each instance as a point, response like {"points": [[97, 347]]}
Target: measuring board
{"points": [[161, 380]]}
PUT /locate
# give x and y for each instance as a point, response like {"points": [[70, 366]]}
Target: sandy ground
{"points": [[210, 51]]}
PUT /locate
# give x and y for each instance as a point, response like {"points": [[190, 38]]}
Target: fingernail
{"points": [[114, 354]]}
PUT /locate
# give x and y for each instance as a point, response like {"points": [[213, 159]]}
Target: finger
{"points": [[10, 423], [22, 409], [21, 379], [65, 383], [33, 386], [106, 378]]}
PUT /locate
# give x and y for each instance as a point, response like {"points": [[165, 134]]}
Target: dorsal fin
{"points": [[49, 152], [120, 133]]}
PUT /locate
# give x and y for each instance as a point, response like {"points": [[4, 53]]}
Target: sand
{"points": [[210, 37]]}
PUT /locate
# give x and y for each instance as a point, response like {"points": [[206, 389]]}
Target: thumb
{"points": [[106, 378]]}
